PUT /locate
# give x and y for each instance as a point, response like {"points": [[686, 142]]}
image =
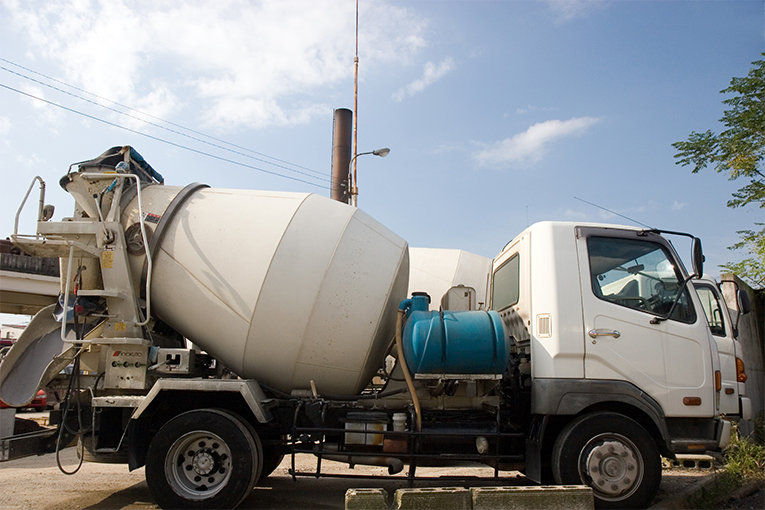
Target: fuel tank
{"points": [[453, 343]]}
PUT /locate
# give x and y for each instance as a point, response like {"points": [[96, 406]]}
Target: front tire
{"points": [[203, 459], [613, 455], [272, 457]]}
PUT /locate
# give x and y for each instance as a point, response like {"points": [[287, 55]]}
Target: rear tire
{"points": [[613, 455], [203, 459], [271, 460]]}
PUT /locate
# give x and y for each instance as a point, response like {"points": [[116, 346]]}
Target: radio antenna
{"points": [[616, 213]]}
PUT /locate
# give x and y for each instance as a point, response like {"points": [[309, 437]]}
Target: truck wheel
{"points": [[613, 455], [203, 459], [271, 460]]}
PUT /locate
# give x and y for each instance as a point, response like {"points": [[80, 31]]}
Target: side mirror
{"points": [[698, 257], [742, 300]]}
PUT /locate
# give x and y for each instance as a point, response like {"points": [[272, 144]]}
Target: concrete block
{"points": [[435, 498], [7, 421], [688, 461], [366, 499], [562, 497]]}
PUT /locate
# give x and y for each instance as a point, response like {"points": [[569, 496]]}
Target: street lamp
{"points": [[352, 177]]}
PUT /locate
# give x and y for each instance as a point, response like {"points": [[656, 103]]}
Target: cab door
{"points": [[629, 279], [721, 328]]}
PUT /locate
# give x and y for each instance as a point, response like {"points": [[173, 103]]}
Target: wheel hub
{"points": [[198, 465], [613, 468], [204, 462]]}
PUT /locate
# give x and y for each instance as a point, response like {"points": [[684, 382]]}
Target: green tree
{"points": [[738, 151]]}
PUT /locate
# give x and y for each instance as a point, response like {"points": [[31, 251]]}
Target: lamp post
{"points": [[354, 190]]}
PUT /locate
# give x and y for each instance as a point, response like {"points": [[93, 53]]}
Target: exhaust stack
{"points": [[341, 154]]}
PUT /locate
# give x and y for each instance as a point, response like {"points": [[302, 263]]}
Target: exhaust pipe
{"points": [[341, 154], [393, 464]]}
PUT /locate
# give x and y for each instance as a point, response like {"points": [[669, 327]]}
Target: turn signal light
{"points": [[740, 372], [718, 380]]}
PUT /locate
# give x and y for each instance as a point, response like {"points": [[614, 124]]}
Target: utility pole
{"points": [[354, 188]]}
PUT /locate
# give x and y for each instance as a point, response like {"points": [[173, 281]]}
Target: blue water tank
{"points": [[453, 342]]}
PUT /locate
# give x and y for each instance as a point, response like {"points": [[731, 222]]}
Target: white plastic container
{"points": [[399, 422]]}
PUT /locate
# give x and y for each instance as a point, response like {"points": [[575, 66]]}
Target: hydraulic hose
{"points": [[405, 369]]}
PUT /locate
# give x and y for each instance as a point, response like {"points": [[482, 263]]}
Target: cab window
{"points": [[506, 285], [639, 275], [710, 303]]}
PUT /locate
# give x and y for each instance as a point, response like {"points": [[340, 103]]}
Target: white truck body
{"points": [[557, 319], [436, 270], [723, 330]]}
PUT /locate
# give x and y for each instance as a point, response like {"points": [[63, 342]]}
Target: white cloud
{"points": [[29, 160], [5, 125], [530, 145], [431, 74], [567, 10], [606, 215], [676, 206], [571, 214], [532, 108], [50, 114], [241, 61]]}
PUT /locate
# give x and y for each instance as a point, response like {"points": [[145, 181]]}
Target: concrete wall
{"points": [[751, 329]]}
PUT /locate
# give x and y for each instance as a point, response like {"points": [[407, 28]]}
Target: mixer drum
{"points": [[283, 288]]}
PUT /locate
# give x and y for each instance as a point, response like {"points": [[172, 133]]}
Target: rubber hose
{"points": [[405, 369]]}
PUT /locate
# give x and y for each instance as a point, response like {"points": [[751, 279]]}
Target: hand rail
{"points": [[23, 202]]}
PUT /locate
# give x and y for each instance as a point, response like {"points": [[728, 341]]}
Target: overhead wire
{"points": [[160, 126], [150, 116], [156, 138]]}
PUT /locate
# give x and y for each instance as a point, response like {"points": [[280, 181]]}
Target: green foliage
{"points": [[752, 269], [744, 458], [738, 151], [744, 461]]}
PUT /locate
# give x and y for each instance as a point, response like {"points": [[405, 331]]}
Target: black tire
{"points": [[271, 460], [203, 459], [613, 455]]}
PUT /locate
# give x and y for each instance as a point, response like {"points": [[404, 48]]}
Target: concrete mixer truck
{"points": [[209, 333]]}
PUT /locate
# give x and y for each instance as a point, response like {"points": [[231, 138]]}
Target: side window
{"points": [[710, 303], [506, 285], [637, 274]]}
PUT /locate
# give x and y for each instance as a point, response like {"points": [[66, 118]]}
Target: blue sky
{"points": [[497, 113]]}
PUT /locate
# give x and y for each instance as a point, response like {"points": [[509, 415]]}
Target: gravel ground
{"points": [[36, 483]]}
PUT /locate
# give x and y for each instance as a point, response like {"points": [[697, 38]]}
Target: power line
{"points": [[160, 139], [160, 126], [156, 118]]}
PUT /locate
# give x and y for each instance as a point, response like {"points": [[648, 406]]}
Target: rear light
{"points": [[740, 372]]}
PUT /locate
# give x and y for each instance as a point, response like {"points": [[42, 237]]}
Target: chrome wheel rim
{"points": [[612, 465], [198, 465]]}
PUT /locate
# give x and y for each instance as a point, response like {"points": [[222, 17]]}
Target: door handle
{"points": [[594, 333]]}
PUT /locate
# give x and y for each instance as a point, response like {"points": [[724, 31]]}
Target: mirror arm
{"points": [[657, 319]]}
